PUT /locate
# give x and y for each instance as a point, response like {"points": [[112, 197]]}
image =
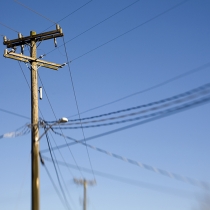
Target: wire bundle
{"points": [[166, 106]]}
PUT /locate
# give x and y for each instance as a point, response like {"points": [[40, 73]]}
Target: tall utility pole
{"points": [[35, 128], [84, 182], [34, 62]]}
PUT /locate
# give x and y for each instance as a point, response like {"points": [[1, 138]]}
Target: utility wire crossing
{"points": [[175, 176]]}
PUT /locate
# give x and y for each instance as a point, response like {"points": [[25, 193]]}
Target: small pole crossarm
{"points": [[28, 59], [38, 37]]}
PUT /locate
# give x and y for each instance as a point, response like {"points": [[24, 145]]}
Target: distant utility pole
{"points": [[84, 182], [34, 63]]}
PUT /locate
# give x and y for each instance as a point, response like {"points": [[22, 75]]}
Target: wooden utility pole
{"points": [[84, 182], [35, 129], [34, 62]]}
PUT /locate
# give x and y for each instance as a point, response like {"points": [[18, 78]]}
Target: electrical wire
{"points": [[129, 181], [72, 201], [204, 100], [69, 151], [34, 11], [56, 119], [164, 114], [136, 27], [187, 73], [47, 97], [23, 130], [173, 98], [175, 102], [71, 78], [6, 26], [60, 153], [15, 114], [58, 166], [97, 24], [57, 175], [28, 83], [163, 172], [127, 120], [54, 185], [70, 13]]}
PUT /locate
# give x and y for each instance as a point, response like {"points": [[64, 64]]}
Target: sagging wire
{"points": [[156, 114], [56, 171], [187, 73], [77, 106], [166, 114], [176, 99], [129, 181], [172, 175], [44, 123]]}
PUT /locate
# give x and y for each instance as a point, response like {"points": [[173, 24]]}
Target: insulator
{"points": [[22, 49], [57, 27], [11, 51], [20, 35], [64, 64], [6, 51], [55, 42], [41, 56]]}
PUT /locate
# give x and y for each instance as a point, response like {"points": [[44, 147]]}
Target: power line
{"points": [[144, 111], [139, 92], [6, 26], [28, 83], [128, 181], [204, 100], [173, 98], [71, 13], [164, 114], [34, 11], [54, 185], [60, 170], [56, 118], [97, 24], [37, 13], [81, 126], [48, 142], [163, 172], [187, 73], [113, 39], [69, 150], [58, 166], [124, 121], [23, 130], [65, 185], [60, 153], [15, 114]]}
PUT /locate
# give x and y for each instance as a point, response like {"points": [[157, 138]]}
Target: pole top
{"points": [[32, 33]]}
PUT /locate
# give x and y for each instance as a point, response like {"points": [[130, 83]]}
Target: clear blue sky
{"points": [[162, 48]]}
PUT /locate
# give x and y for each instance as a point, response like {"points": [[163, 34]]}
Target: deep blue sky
{"points": [[160, 49]]}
